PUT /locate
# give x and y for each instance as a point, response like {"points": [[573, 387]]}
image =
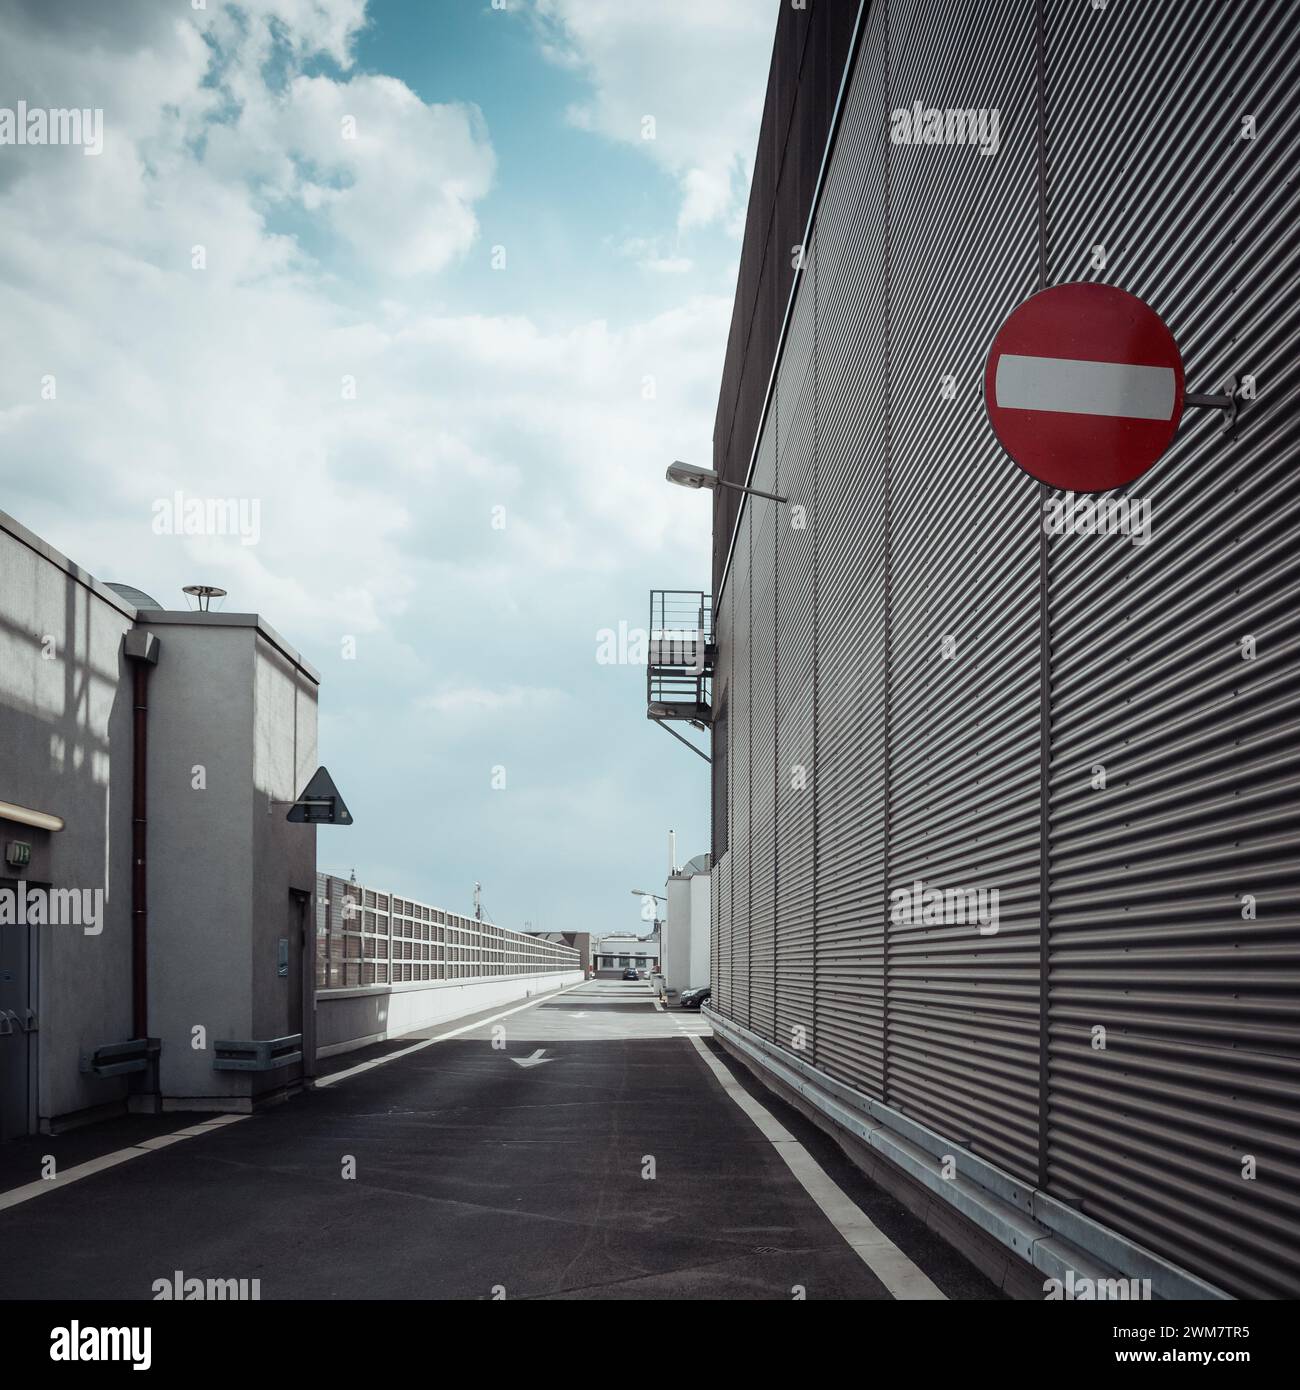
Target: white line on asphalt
{"points": [[15, 1196], [337, 1076], [18, 1195], [882, 1257]]}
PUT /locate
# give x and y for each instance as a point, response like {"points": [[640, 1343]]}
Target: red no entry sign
{"points": [[1084, 387]]}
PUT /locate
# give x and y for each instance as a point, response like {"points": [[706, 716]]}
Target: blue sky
{"points": [[446, 542]]}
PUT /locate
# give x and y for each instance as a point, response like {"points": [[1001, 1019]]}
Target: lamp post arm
{"points": [[753, 491]]}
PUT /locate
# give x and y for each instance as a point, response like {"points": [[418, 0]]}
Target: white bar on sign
{"points": [[1076, 387]]}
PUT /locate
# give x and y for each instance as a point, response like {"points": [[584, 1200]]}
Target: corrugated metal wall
{"points": [[954, 682], [720, 894], [1151, 937], [740, 855], [807, 68], [762, 752], [964, 667], [795, 679], [848, 776]]}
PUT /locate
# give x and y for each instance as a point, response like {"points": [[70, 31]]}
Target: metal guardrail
{"points": [[264, 1054], [118, 1059]]}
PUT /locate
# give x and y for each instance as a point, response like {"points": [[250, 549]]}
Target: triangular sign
{"points": [[320, 803]]}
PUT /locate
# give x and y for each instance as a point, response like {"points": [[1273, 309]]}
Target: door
{"points": [[302, 977], [18, 1035]]}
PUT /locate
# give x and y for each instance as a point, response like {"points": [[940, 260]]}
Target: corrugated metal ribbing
{"points": [[738, 734], [720, 946], [1175, 883], [848, 776], [794, 666], [964, 659], [812, 42], [720, 952], [762, 749], [719, 900]]}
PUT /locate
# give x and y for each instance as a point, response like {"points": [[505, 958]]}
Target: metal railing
{"points": [[681, 612], [680, 655]]}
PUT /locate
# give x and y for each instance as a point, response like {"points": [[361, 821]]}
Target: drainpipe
{"points": [[141, 650]]}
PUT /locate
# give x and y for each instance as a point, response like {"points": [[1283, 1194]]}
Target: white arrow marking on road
{"points": [[535, 1060]]}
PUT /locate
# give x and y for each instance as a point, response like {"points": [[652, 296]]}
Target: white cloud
{"points": [[233, 381], [660, 59], [327, 266], [395, 178], [668, 265], [648, 256], [470, 701]]}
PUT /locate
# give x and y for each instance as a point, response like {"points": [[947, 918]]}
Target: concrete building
{"points": [[118, 720], [165, 939], [686, 927], [922, 692], [615, 951], [580, 941]]}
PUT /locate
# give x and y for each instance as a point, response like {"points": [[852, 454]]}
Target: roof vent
{"points": [[205, 593], [137, 598]]}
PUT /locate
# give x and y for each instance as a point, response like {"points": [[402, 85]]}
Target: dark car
{"points": [[693, 998], [629, 974]]}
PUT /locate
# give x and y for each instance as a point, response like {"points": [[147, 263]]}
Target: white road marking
{"points": [[338, 1076], [15, 1196], [535, 1060], [882, 1257], [1075, 387]]}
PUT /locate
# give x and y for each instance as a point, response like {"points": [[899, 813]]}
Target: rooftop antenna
{"points": [[478, 902], [205, 593]]}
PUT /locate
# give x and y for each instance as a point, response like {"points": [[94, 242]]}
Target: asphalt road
{"points": [[611, 1164]]}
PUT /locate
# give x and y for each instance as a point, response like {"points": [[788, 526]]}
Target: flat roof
{"points": [[152, 617]]}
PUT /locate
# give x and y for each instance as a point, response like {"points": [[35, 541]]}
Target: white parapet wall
{"points": [[387, 965], [350, 1018]]}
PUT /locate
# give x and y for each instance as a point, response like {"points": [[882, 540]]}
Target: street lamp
{"points": [[638, 893], [689, 475]]}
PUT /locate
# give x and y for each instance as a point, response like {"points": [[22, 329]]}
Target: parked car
{"points": [[629, 973], [693, 998]]}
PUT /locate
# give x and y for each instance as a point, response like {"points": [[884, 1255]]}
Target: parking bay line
{"points": [[903, 1278], [17, 1195]]}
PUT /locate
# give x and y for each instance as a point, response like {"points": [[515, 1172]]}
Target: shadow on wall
{"points": [[63, 740]]}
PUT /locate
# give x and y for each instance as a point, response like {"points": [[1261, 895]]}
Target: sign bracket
{"points": [[1226, 403]]}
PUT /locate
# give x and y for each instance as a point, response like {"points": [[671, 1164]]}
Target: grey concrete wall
{"points": [[701, 925], [200, 851], [686, 932], [65, 748], [232, 721], [284, 854], [232, 700]]}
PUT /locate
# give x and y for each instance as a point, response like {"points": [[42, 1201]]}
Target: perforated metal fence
{"points": [[365, 936]]}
